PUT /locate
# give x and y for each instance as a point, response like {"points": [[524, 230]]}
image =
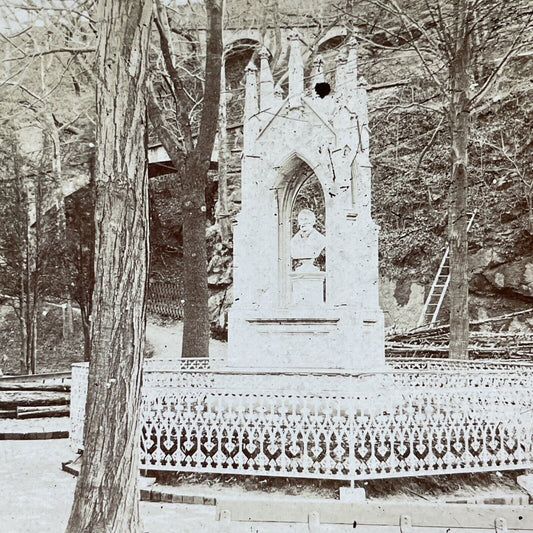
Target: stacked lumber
{"points": [[433, 341], [33, 399]]}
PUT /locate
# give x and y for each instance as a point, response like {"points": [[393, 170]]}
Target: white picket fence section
{"points": [[442, 417]]}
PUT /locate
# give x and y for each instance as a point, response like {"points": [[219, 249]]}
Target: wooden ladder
{"points": [[433, 302]]}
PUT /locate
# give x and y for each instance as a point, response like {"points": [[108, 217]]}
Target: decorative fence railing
{"points": [[165, 298], [436, 421]]}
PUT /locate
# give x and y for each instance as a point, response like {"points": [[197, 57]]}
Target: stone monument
{"points": [[289, 314]]}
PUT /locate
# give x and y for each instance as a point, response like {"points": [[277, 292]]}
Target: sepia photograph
{"points": [[266, 266]]}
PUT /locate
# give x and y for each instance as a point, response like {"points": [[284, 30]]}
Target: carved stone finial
{"points": [[352, 54], [251, 106], [296, 74], [341, 57], [264, 53], [317, 73], [294, 35], [318, 62], [266, 81], [353, 42]]}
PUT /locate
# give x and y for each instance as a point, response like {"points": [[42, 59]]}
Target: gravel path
{"points": [[165, 340]]}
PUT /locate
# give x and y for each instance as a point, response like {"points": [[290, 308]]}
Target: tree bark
{"points": [[107, 498], [68, 321], [196, 326], [457, 216], [23, 347], [86, 327]]}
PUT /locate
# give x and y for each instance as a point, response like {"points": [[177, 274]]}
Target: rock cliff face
{"points": [[496, 287], [220, 279]]}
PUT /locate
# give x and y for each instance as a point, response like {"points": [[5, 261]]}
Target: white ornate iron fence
{"points": [[439, 420]]}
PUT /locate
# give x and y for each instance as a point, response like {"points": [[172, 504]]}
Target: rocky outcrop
{"points": [[401, 303], [515, 277], [490, 274], [219, 279]]}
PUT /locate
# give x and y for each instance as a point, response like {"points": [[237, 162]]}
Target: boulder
{"points": [[513, 277]]}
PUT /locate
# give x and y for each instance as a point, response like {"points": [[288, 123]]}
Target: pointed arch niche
{"points": [[299, 188]]}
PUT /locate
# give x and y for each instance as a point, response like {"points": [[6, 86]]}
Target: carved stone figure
{"points": [[307, 243]]}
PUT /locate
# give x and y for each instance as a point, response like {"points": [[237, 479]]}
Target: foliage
{"points": [[30, 243], [54, 353], [404, 45]]}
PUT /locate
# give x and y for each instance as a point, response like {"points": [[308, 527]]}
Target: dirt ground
{"points": [[442, 489], [30, 503], [163, 338]]}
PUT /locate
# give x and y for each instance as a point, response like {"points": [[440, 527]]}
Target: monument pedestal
{"points": [[362, 393], [314, 337]]}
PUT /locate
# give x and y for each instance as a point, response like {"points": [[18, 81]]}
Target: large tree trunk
{"points": [[107, 497], [457, 216]]}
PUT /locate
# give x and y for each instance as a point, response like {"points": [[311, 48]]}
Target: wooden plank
{"points": [[43, 411], [42, 378], [13, 399], [28, 386], [378, 514]]}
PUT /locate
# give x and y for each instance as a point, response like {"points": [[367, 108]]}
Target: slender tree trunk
{"points": [[457, 216], [23, 343], [33, 342], [86, 325], [222, 211], [68, 322], [222, 208], [193, 165], [196, 325], [529, 200], [106, 499], [27, 304]]}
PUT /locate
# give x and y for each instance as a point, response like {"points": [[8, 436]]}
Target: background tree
{"points": [[30, 244], [47, 101], [462, 47], [106, 497], [79, 256], [186, 124]]}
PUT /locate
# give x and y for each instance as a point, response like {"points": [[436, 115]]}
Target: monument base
{"points": [[362, 393], [317, 337]]}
